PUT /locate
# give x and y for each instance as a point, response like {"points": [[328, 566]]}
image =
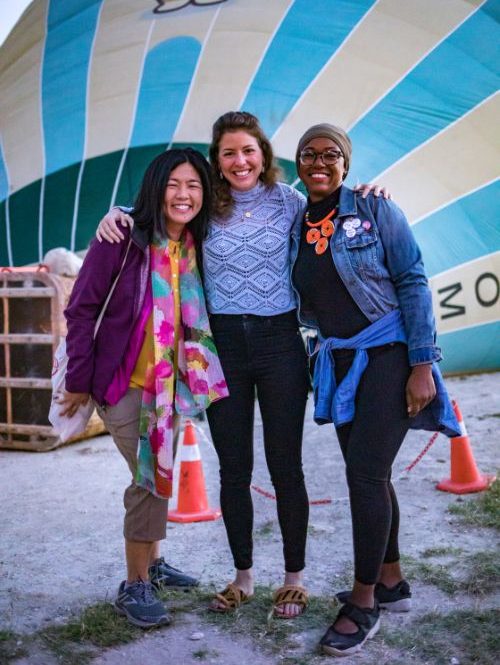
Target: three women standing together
{"points": [[360, 283]]}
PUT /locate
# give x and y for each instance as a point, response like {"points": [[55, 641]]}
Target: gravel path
{"points": [[61, 543]]}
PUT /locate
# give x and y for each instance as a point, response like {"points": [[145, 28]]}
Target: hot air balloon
{"points": [[91, 90]]}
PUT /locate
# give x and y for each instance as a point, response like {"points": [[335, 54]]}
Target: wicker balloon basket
{"points": [[31, 324]]}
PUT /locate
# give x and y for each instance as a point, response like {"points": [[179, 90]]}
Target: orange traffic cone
{"points": [[192, 504], [465, 476]]}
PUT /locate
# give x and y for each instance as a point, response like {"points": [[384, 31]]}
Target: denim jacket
{"points": [[337, 403], [381, 266]]}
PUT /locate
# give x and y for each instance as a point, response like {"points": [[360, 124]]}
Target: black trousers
{"points": [[264, 356], [369, 445]]}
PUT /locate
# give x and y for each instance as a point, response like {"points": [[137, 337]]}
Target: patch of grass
{"points": [[343, 579], [476, 574], [315, 531], [482, 510], [428, 573], [180, 602], [473, 638], [255, 620], [67, 651], [203, 654], [483, 573], [431, 552], [266, 529], [98, 626], [11, 646], [77, 642]]}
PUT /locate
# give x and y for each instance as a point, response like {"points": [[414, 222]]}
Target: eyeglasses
{"points": [[328, 157]]}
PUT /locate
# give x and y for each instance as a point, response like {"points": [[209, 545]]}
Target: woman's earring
{"points": [[220, 175]]}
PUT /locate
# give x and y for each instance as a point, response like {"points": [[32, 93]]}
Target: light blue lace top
{"points": [[246, 257]]}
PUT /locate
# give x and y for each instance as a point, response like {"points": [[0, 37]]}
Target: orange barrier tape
{"points": [[317, 502], [420, 455]]}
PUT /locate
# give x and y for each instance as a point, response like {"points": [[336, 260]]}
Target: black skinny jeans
{"points": [[369, 445], [263, 354]]}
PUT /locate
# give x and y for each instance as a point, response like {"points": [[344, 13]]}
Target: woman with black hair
{"points": [[153, 357]]}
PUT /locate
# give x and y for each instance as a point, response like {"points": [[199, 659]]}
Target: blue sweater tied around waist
{"points": [[336, 404]]}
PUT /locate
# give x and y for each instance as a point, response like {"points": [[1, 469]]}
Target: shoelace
{"points": [[144, 590]]}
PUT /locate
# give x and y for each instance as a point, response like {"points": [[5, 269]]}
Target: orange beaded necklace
{"points": [[320, 232]]}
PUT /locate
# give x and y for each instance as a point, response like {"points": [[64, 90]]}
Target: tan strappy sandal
{"points": [[232, 598], [290, 594]]}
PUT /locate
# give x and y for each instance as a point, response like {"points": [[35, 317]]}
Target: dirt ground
{"points": [[61, 542]]}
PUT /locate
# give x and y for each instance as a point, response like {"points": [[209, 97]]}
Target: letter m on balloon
{"points": [[453, 309]]}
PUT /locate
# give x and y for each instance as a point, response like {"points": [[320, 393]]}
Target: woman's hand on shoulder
{"points": [[420, 389], [108, 228], [365, 188], [71, 401]]}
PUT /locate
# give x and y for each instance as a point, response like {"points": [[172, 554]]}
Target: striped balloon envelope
{"points": [[91, 90]]}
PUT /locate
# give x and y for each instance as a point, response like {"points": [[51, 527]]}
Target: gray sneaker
{"points": [[163, 576], [139, 604]]}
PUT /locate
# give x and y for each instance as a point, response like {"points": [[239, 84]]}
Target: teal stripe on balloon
{"points": [[454, 78], [167, 75], [71, 28], [474, 349], [463, 231], [309, 35], [5, 240]]}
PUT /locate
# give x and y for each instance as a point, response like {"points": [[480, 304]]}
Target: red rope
{"points": [[420, 455], [318, 502]]}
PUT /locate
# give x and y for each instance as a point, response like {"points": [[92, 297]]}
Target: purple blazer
{"points": [[93, 363]]}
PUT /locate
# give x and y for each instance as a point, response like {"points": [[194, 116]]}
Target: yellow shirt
{"points": [[146, 354]]}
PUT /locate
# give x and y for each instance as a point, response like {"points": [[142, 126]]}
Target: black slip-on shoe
{"points": [[367, 620], [392, 599]]}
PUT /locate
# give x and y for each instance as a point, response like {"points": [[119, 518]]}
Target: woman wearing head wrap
{"points": [[361, 284]]}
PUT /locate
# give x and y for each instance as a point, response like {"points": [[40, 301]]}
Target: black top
{"points": [[320, 286]]}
